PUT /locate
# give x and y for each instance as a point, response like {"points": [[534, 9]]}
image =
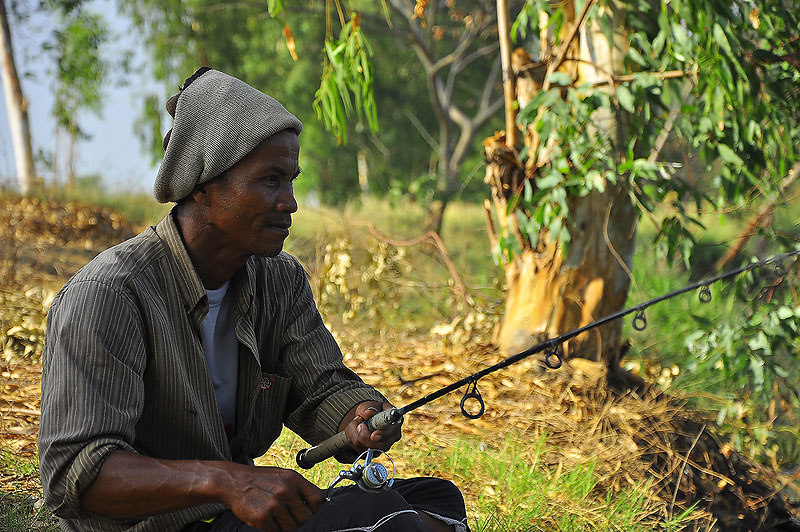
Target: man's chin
{"points": [[267, 253]]}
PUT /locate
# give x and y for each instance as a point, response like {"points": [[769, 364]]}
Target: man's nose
{"points": [[286, 200]]}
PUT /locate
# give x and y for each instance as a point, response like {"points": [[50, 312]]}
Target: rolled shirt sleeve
{"points": [[92, 368]]}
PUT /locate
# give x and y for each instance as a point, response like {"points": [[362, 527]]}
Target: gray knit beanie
{"points": [[218, 120]]}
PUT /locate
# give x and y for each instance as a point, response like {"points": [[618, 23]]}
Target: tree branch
{"points": [[416, 36], [562, 52], [669, 74], [487, 87], [459, 285], [477, 54], [467, 38], [421, 129], [484, 116]]}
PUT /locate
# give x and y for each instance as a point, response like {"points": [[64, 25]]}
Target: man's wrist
{"points": [[216, 481]]}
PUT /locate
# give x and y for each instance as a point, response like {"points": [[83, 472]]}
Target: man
{"points": [[173, 359]]}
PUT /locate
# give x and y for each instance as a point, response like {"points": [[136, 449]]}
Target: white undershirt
{"points": [[221, 350]]}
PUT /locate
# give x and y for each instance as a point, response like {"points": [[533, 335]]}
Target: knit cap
{"points": [[218, 119]]}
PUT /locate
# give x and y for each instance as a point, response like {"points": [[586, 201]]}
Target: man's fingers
{"points": [[285, 517], [359, 435], [300, 511], [305, 500], [312, 496]]}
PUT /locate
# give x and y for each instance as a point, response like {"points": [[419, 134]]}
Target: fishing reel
{"points": [[370, 476]]}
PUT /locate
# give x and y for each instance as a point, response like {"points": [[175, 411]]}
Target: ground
{"points": [[629, 440]]}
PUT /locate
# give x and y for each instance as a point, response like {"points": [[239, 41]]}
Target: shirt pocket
{"points": [[269, 411]]}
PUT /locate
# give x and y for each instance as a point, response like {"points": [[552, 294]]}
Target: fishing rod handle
{"points": [[308, 458]]}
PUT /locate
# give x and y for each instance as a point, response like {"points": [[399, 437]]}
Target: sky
{"points": [[114, 151]]}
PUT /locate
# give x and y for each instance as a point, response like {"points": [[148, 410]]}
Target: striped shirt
{"points": [[123, 368]]}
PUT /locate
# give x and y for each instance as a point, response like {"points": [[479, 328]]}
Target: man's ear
{"points": [[200, 194]]}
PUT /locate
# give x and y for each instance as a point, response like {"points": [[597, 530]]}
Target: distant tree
{"points": [[456, 46], [601, 86], [81, 68], [16, 108]]}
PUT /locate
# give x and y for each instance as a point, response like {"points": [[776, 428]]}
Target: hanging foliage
{"points": [[346, 85]]}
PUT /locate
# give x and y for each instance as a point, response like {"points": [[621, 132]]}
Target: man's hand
{"points": [[267, 498], [360, 437], [271, 499]]}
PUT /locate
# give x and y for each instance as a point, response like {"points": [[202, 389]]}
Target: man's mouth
{"points": [[280, 226]]}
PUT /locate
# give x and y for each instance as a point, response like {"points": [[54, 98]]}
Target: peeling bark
{"points": [[549, 294]]}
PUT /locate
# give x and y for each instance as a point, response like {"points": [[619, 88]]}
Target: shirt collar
{"points": [[193, 293], [191, 287]]}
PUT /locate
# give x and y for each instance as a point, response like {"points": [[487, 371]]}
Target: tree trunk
{"points": [[549, 294], [435, 216], [16, 108]]}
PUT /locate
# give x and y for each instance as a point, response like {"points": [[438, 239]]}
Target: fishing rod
{"points": [[553, 359]]}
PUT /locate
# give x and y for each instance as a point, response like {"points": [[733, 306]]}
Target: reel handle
{"points": [[308, 458]]}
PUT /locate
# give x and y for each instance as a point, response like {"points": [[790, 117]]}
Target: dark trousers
{"points": [[353, 510]]}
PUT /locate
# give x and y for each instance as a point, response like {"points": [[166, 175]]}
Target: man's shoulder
{"points": [[118, 264]]}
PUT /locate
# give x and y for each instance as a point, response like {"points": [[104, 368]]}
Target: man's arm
{"points": [[325, 392], [267, 498]]}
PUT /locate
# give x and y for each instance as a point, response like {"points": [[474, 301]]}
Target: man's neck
{"points": [[215, 263]]}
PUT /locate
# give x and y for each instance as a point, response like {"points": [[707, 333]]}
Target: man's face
{"points": [[251, 205]]}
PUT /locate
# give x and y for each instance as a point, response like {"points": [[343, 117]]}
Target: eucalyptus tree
{"points": [[16, 108], [601, 86]]}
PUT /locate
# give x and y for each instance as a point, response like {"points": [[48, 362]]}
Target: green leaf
{"points": [[658, 43], [594, 179], [722, 40], [729, 156], [555, 227], [634, 54], [703, 322], [625, 98], [550, 180], [681, 38], [560, 78]]}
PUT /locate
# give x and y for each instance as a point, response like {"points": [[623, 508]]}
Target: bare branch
{"points": [[487, 113], [433, 237], [509, 78], [669, 74], [423, 52], [487, 87], [469, 128], [562, 52], [467, 38], [421, 129], [477, 54]]}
